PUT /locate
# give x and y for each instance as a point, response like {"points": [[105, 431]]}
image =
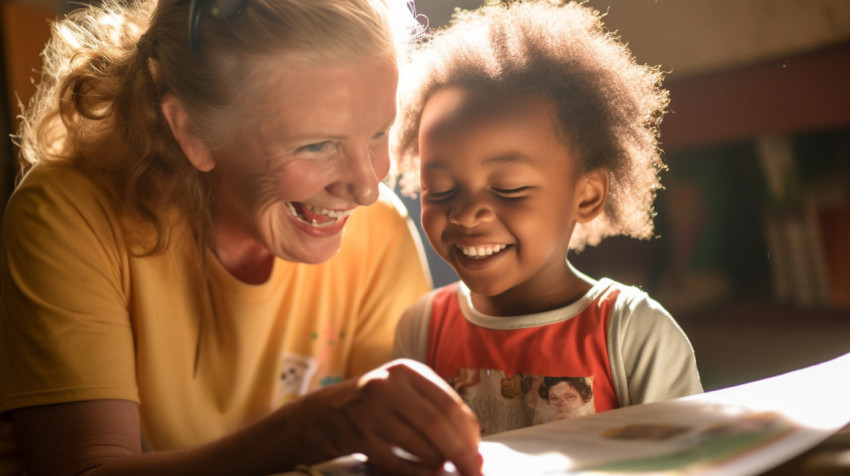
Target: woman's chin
{"points": [[309, 251]]}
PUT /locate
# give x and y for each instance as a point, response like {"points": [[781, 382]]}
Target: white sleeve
{"points": [[651, 358], [411, 334]]}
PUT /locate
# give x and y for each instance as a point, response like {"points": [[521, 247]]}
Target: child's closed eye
{"points": [[515, 192], [438, 195]]}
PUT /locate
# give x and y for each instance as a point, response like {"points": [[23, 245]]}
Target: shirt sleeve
{"points": [[411, 336], [65, 334], [651, 357], [398, 276]]}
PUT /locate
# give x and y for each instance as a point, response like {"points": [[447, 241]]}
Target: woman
{"points": [[191, 249]]}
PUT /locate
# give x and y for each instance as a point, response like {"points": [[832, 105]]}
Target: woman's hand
{"points": [[402, 416], [402, 405]]}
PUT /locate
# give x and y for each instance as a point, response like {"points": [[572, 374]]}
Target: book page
{"points": [[737, 430], [741, 430]]}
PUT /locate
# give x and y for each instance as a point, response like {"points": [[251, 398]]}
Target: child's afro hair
{"points": [[608, 106]]}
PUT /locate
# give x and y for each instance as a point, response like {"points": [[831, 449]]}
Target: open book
{"points": [[741, 430]]}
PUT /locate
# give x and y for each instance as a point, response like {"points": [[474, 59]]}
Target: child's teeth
{"points": [[481, 251]]}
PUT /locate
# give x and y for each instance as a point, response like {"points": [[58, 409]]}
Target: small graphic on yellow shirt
{"points": [[296, 373]]}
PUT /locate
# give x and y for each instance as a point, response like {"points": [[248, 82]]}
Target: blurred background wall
{"points": [[753, 249]]}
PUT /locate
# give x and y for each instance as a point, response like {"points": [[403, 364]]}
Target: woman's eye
{"points": [[314, 148], [510, 192], [379, 140]]}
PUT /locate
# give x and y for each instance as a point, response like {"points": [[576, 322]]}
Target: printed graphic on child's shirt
{"points": [[504, 403]]}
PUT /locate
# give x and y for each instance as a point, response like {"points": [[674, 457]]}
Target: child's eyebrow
{"points": [[504, 159], [435, 165], [511, 158]]}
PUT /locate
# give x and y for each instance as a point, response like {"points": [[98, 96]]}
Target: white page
{"points": [[775, 419], [741, 430]]}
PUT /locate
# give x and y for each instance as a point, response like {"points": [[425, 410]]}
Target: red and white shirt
{"points": [[613, 347]]}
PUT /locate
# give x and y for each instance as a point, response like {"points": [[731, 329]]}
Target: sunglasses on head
{"points": [[221, 9]]}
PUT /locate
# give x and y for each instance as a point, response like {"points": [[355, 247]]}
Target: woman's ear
{"points": [[178, 120], [592, 193]]}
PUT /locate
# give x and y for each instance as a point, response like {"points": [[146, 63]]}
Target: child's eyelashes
{"points": [[435, 196], [507, 193], [516, 192]]}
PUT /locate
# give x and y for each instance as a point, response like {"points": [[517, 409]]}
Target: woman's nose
{"points": [[362, 176]]}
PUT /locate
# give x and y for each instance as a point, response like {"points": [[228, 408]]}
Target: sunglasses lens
{"points": [[221, 9]]}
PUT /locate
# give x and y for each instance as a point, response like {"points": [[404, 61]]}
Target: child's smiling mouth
{"points": [[481, 251]]}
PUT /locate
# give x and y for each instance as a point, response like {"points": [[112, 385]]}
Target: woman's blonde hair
{"points": [[97, 106], [607, 106]]}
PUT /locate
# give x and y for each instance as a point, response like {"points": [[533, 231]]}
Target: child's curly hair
{"points": [[607, 105]]}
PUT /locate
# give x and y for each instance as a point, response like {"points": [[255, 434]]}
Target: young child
{"points": [[535, 132]]}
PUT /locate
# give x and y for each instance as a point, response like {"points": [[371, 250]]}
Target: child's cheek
{"points": [[434, 221]]}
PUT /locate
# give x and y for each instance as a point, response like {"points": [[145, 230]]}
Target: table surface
{"points": [[830, 457]]}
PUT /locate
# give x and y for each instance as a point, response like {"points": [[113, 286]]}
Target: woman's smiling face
{"points": [[499, 191], [317, 150]]}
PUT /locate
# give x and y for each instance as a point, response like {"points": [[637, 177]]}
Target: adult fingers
{"points": [[382, 409], [386, 459], [440, 418]]}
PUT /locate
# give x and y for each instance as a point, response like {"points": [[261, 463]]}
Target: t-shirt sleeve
{"points": [[411, 336], [398, 276], [65, 334], [651, 357]]}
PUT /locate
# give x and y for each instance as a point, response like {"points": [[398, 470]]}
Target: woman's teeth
{"points": [[480, 252], [314, 216], [336, 214]]}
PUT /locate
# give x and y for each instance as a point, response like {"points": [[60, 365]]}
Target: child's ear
{"points": [[178, 120], [592, 193]]}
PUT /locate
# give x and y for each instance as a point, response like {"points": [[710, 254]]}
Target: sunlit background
{"points": [[753, 252]]}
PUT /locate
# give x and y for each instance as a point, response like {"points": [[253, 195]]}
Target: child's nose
{"points": [[470, 213]]}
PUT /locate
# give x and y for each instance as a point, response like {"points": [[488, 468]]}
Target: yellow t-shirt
{"points": [[82, 318]]}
